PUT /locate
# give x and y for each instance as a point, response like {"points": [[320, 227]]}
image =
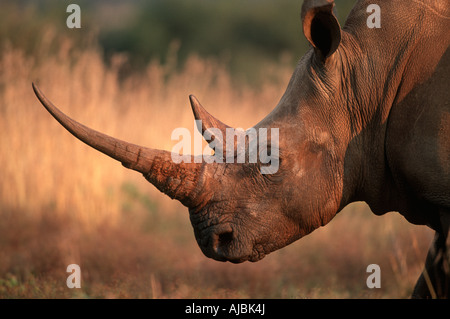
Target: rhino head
{"points": [[237, 212]]}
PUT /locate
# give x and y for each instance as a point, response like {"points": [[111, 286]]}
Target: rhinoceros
{"points": [[365, 117]]}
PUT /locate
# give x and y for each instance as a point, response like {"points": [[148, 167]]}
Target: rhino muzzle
{"points": [[222, 243]]}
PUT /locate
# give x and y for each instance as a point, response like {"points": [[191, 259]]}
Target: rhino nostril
{"points": [[225, 238], [222, 239]]}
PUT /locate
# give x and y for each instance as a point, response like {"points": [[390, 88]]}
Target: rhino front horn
{"points": [[177, 180]]}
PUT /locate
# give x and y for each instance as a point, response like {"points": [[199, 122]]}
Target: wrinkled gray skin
{"points": [[365, 117]]}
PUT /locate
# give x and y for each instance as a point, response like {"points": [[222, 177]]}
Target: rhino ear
{"points": [[321, 27]]}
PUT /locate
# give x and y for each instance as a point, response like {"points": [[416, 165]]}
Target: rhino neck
{"points": [[370, 87], [383, 66]]}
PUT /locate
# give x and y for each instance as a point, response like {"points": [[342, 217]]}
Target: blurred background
{"points": [[128, 72]]}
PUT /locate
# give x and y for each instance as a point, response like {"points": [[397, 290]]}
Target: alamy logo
{"points": [[374, 19], [74, 19], [252, 145], [74, 279], [374, 279]]}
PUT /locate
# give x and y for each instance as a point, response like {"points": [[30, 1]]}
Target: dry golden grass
{"points": [[62, 202]]}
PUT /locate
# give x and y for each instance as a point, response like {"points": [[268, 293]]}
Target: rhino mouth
{"points": [[222, 243]]}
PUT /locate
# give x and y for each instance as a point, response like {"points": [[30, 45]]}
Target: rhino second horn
{"points": [[209, 122]]}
